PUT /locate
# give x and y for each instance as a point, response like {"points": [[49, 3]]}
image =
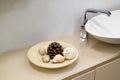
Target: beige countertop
{"points": [[14, 65]]}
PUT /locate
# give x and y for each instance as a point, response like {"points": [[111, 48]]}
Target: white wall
{"points": [[26, 22]]}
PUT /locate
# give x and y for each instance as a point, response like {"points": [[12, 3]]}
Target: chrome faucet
{"points": [[83, 32], [94, 11]]}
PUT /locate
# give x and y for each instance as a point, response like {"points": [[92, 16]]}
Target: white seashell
{"points": [[69, 53], [45, 58], [43, 51], [58, 58]]}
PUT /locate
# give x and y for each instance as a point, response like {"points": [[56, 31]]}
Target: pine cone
{"points": [[53, 49]]}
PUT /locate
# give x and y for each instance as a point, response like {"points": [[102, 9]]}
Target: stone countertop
{"points": [[14, 65]]}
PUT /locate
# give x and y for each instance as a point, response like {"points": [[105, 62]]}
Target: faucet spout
{"points": [[94, 11], [99, 11]]}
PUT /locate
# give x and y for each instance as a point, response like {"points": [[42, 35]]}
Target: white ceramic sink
{"points": [[105, 28]]}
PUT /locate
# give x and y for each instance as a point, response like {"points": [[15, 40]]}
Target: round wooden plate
{"points": [[35, 58]]}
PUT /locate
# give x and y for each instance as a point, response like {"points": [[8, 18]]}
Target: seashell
{"points": [[69, 53], [43, 51], [45, 58], [58, 59]]}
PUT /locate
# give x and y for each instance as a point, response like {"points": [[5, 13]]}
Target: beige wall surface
{"points": [[26, 22]]}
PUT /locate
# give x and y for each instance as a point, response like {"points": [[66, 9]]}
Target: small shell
{"points": [[45, 58], [69, 53], [58, 59], [42, 51]]}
